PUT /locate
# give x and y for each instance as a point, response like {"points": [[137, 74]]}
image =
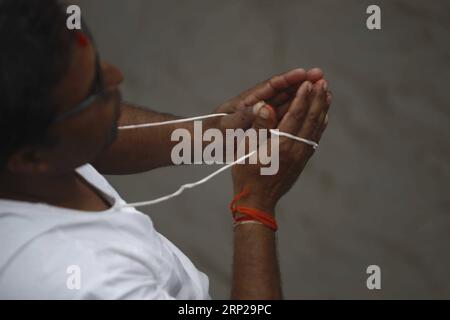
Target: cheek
{"points": [[84, 137], [82, 143], [73, 149], [88, 136]]}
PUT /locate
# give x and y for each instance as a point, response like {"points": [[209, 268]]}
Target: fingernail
{"points": [[264, 113], [325, 86], [257, 107]]}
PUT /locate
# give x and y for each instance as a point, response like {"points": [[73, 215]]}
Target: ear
{"points": [[28, 160]]}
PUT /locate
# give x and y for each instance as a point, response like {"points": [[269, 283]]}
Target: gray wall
{"points": [[375, 193]]}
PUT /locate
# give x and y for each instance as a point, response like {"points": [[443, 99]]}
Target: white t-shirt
{"points": [[47, 252]]}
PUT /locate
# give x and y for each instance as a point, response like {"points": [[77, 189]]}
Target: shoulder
{"points": [[58, 266]]}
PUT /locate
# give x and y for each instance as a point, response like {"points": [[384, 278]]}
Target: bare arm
{"points": [[141, 150], [256, 272]]}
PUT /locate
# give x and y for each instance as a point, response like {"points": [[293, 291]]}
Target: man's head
{"points": [[46, 71]]}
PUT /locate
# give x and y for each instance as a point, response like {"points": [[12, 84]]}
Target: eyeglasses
{"points": [[98, 88]]}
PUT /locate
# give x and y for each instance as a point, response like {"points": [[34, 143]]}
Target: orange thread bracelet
{"points": [[252, 214]]}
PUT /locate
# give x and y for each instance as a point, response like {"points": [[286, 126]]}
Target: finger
{"points": [[321, 130], [239, 118], [270, 88], [324, 114], [320, 126], [318, 105], [314, 75], [265, 117], [324, 124], [323, 121], [281, 98], [293, 119], [283, 109]]}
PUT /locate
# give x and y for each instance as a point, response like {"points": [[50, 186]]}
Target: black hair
{"points": [[34, 56]]}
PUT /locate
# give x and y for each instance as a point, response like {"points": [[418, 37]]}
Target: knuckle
{"points": [[273, 83], [313, 116], [315, 127], [320, 93], [274, 79], [298, 114], [284, 146]]}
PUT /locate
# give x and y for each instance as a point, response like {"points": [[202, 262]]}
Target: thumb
{"points": [[264, 116], [241, 117]]}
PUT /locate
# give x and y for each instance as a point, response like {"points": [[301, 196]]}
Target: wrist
{"points": [[246, 208], [213, 123], [260, 203]]}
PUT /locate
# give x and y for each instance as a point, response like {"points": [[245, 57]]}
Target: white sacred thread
{"points": [[188, 185], [156, 124], [212, 175], [315, 145]]}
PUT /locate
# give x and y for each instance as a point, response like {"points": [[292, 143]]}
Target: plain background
{"points": [[377, 191]]}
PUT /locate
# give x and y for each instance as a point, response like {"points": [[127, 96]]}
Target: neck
{"points": [[51, 189]]}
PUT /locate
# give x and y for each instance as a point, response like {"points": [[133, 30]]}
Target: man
{"points": [[63, 231]]}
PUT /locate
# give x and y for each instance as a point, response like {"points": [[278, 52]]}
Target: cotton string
{"points": [[212, 175]]}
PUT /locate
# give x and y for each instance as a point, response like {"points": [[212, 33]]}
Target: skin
{"points": [[47, 173], [256, 272], [141, 150]]}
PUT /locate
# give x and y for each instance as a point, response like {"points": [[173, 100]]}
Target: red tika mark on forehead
{"points": [[82, 39]]}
